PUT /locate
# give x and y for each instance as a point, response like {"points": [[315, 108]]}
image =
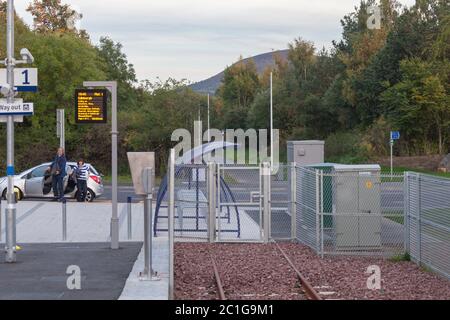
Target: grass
{"points": [[122, 179], [401, 257], [401, 170], [399, 219]]}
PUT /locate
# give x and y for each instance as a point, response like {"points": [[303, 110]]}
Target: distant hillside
{"points": [[262, 61]]}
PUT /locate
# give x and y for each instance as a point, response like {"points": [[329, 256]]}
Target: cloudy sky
{"points": [[195, 39]]}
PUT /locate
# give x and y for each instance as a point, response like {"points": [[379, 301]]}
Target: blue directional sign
{"points": [[395, 135]]}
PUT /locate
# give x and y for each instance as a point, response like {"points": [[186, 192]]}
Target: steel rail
{"points": [[310, 292]]}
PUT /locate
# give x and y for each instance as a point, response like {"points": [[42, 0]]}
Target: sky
{"points": [[195, 39]]}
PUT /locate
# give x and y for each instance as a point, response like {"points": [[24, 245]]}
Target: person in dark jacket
{"points": [[58, 172], [82, 176]]}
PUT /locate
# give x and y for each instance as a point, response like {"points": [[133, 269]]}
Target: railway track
{"points": [[309, 291]]}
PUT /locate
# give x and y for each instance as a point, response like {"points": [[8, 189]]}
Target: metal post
{"points": [[321, 214], [419, 220], [211, 219], [293, 201], [129, 221], [267, 206], [11, 200], [406, 213], [114, 134], [112, 87], [317, 211], [64, 219], [271, 118], [392, 158], [171, 221], [61, 127], [148, 274], [209, 124]]}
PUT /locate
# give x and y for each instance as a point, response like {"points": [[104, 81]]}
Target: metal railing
{"points": [[427, 237], [359, 213]]}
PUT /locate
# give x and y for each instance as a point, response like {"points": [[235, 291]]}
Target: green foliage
{"points": [[345, 147], [373, 81]]}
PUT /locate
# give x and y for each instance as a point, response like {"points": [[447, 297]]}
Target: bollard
{"points": [[148, 274], [64, 219], [130, 235]]}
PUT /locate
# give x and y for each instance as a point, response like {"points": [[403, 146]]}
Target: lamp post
{"points": [[8, 90], [112, 87]]}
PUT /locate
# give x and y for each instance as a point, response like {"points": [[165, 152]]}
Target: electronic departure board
{"points": [[91, 105]]}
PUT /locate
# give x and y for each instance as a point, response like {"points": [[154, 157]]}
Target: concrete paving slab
{"points": [[40, 272]]}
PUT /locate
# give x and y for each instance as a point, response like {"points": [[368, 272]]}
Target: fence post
{"points": [[64, 219], [267, 206], [317, 211], [129, 222], [419, 219], [293, 201], [211, 218], [321, 214], [406, 213], [171, 215]]}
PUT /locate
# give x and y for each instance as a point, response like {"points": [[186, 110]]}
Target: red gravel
{"points": [[257, 271], [243, 268], [346, 276]]}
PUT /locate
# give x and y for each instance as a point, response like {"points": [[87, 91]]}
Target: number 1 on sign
{"points": [[25, 73]]}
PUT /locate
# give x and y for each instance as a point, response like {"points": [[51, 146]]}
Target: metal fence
{"points": [[334, 213], [359, 213], [428, 221], [222, 203]]}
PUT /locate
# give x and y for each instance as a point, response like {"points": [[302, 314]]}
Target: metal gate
{"points": [[240, 205]]}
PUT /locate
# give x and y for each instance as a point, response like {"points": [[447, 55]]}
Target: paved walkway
{"points": [[40, 273], [39, 226]]}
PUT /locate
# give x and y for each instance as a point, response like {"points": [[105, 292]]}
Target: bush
{"points": [[345, 147]]}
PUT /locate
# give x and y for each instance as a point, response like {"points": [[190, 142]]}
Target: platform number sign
{"points": [[25, 79]]}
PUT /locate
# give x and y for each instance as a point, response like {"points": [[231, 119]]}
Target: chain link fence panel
{"points": [[428, 221]]}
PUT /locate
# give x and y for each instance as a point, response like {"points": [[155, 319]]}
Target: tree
{"points": [[118, 68], [419, 104], [239, 87], [53, 16]]}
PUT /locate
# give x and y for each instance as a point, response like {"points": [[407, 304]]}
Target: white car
{"points": [[37, 183]]}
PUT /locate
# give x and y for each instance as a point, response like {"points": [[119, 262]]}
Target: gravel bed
{"points": [[347, 278], [259, 272], [247, 271]]}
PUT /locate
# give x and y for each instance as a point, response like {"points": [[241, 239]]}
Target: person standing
{"points": [[82, 174], [58, 171]]}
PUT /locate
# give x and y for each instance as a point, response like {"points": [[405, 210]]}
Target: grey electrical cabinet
{"points": [[305, 153], [357, 207]]}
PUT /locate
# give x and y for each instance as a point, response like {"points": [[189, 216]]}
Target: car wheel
{"points": [[90, 195], [18, 193]]}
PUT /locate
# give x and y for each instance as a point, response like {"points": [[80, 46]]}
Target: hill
{"points": [[262, 61]]}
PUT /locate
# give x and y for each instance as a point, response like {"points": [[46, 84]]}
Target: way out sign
{"points": [[18, 108], [25, 79]]}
